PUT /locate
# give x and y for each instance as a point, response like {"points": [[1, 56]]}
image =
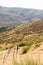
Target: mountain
{"points": [[25, 34], [16, 16], [18, 43]]}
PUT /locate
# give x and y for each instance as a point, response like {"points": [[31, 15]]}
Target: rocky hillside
{"points": [[23, 35]]}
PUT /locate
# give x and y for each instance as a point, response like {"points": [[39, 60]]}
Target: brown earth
{"points": [[35, 54]]}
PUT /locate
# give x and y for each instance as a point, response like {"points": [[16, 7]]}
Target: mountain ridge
{"points": [[18, 15]]}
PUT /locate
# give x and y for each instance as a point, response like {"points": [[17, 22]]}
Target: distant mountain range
{"points": [[16, 16]]}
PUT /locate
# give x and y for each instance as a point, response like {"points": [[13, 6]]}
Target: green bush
{"points": [[21, 44], [25, 44], [24, 49]]}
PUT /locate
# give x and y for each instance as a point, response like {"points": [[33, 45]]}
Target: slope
{"points": [[23, 35]]}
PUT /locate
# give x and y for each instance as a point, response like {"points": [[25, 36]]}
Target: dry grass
{"points": [[27, 61], [29, 33]]}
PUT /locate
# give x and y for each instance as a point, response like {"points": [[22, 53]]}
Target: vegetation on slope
{"points": [[23, 35]]}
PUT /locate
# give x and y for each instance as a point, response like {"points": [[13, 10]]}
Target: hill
{"points": [[23, 35], [16, 16], [18, 43]]}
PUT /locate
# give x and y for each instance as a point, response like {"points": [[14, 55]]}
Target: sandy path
{"points": [[8, 60], [36, 55]]}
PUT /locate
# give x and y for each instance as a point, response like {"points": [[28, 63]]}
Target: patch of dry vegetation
{"points": [[24, 35], [27, 61]]}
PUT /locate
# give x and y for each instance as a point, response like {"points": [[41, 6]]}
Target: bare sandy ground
{"points": [[8, 58]]}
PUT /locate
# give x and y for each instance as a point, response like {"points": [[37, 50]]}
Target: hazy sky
{"points": [[37, 4]]}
